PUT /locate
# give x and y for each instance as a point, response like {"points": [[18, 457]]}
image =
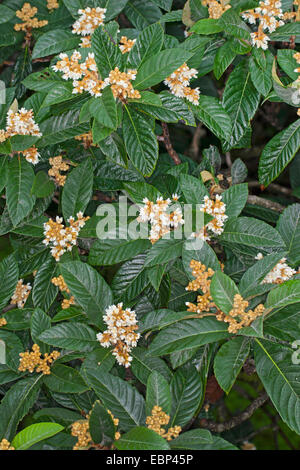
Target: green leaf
{"points": [[158, 319], [201, 439], [288, 226], [280, 378], [16, 404], [22, 68], [214, 116], [138, 190], [112, 251], [6, 14], [61, 92], [141, 14], [250, 284], [121, 398], [155, 275], [63, 416], [187, 335], [104, 109], [107, 54], [229, 361], [193, 189], [240, 100], [35, 433], [18, 319], [3, 172], [223, 290], [39, 322], [186, 390], [89, 288], [287, 62], [224, 57], [9, 274], [169, 108], [113, 147], [100, 132], [130, 280], [44, 81], [78, 189], [113, 8], [207, 26], [160, 66], [42, 185], [158, 393], [164, 250], [64, 379], [18, 189], [285, 32], [238, 171], [72, 336], [22, 142], [278, 153], [286, 294], [235, 199], [261, 71], [192, 440], [148, 43], [143, 365], [60, 128], [234, 25], [44, 291], [54, 42], [251, 232], [101, 425], [140, 141], [164, 4], [141, 438], [13, 348]]}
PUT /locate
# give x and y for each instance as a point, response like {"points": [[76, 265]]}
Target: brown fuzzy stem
{"points": [[236, 420], [168, 144]]}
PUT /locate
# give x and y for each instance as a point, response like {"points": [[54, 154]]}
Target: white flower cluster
{"points": [[89, 20], [60, 237], [270, 17], [21, 294], [22, 123], [179, 81], [120, 333], [86, 78], [215, 208], [280, 273], [162, 220]]}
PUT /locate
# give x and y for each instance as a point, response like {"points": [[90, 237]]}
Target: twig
{"points": [[228, 159], [273, 188], [168, 144], [194, 148], [236, 420], [9, 307], [259, 201]]}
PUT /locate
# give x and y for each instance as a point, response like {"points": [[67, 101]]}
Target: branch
{"points": [[259, 201], [168, 144], [194, 148], [272, 188], [236, 420], [8, 308]]}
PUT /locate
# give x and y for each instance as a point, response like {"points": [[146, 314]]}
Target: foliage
{"points": [[157, 116]]}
